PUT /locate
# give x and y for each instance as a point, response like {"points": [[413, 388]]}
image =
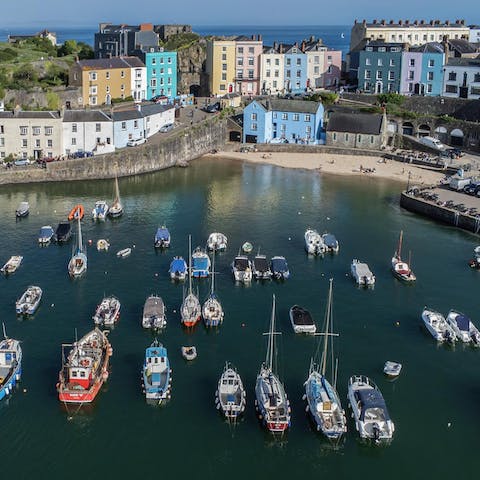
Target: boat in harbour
{"points": [[217, 242], [201, 263], [45, 235], [212, 310], [230, 397], [124, 252], [372, 419], [84, 368], [242, 269], [12, 264], [107, 312], [10, 364], [247, 247], [28, 303], [437, 326], [323, 401], [154, 313], [301, 320], [463, 327], [392, 369], [156, 374], [331, 243], [362, 273], [100, 210], [261, 268], [314, 244], [103, 245], [189, 353], [190, 310], [116, 208], [76, 213], [77, 265], [279, 268], [22, 210], [271, 402], [162, 237], [178, 269], [63, 232], [402, 270]]}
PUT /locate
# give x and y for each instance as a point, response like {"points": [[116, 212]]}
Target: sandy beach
{"points": [[341, 165]]}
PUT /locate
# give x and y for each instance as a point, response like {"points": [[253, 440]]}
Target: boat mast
{"points": [[271, 345], [399, 248], [4, 331], [327, 325], [189, 264], [213, 272], [80, 241], [117, 191]]}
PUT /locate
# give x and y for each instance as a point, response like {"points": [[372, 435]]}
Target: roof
{"points": [[86, 116], [154, 108], [410, 24], [114, 62], [27, 114], [462, 46], [295, 106], [355, 123], [123, 115], [463, 62], [431, 47]]}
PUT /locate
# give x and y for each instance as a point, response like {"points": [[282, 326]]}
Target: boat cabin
{"points": [[156, 365], [81, 373], [371, 405], [8, 357]]}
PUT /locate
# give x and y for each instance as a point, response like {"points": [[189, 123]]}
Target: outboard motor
{"points": [[376, 432]]}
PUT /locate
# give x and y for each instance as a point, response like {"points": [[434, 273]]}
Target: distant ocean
{"points": [[336, 37]]}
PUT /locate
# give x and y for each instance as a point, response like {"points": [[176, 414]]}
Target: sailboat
{"points": [[77, 265], [190, 310], [271, 402], [323, 401], [116, 208], [400, 268], [212, 310]]}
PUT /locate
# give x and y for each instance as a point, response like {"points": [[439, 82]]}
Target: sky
{"points": [[24, 13]]}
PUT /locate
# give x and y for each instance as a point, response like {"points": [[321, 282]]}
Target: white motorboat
{"points": [[261, 268], [301, 320], [154, 313], [100, 210], [77, 265], [372, 419], [392, 369], [323, 401], [217, 242], [125, 252], [189, 353], [438, 326], [330, 242], [45, 235], [28, 303], [401, 269], [116, 208], [107, 312], [314, 244], [22, 210], [242, 269], [230, 396], [463, 327], [362, 273], [12, 264], [103, 245], [212, 310]]}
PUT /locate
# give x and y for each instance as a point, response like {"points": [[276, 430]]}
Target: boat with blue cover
{"points": [[463, 327], [63, 232], [330, 242], [178, 268], [45, 235], [280, 269], [201, 263], [10, 364], [162, 237], [156, 373], [100, 210]]}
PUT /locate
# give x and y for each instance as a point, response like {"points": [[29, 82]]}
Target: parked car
{"points": [[166, 128], [136, 141], [212, 107], [22, 162]]}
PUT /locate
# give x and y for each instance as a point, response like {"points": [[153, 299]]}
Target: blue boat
{"points": [[156, 373], [10, 364], [201, 263], [178, 269], [162, 237], [280, 268]]}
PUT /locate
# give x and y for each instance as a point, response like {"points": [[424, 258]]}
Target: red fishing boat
{"points": [[85, 368]]}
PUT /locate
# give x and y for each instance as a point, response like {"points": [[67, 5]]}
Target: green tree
{"points": [[69, 47], [53, 101]]}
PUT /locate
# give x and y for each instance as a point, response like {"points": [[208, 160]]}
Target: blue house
{"points": [[295, 69], [431, 78], [161, 72], [127, 125], [283, 121]]}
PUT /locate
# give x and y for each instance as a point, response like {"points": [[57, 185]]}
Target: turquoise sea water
{"points": [[121, 436]]}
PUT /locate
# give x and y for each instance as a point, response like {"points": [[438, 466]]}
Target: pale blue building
{"points": [[283, 121], [127, 125], [295, 69]]}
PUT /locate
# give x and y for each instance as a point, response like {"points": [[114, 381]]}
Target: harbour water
{"points": [[434, 403]]}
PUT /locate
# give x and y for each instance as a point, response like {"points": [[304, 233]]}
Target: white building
{"points": [[272, 68], [139, 83], [87, 131], [462, 78], [474, 34], [155, 117]]}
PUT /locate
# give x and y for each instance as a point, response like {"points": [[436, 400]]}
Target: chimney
{"points": [[139, 108], [383, 22], [400, 22], [407, 22], [259, 38], [312, 39], [447, 22], [391, 22], [355, 22], [253, 37], [364, 22], [462, 22], [145, 27], [431, 22], [303, 46], [415, 22], [275, 46], [374, 21], [422, 22], [281, 48]]}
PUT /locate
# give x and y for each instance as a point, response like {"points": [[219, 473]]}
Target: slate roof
{"points": [[26, 114], [295, 106], [463, 62], [114, 62], [362, 123], [86, 116], [462, 46], [431, 47]]}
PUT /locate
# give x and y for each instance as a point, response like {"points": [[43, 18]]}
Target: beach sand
{"points": [[340, 165]]}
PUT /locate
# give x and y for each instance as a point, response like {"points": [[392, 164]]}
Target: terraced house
{"points": [[220, 66], [105, 79]]}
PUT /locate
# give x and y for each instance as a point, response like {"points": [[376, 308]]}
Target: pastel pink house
{"points": [[247, 64]]}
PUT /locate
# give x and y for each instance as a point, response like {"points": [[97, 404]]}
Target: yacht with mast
{"points": [[190, 310], [212, 310], [116, 208], [402, 270], [77, 265], [271, 402], [323, 401]]}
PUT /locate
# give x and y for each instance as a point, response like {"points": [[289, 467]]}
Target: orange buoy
{"points": [[76, 212]]}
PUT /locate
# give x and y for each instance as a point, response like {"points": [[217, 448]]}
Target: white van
{"points": [[433, 143]]}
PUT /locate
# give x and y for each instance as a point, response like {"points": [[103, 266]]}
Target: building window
{"points": [[288, 75], [359, 138], [277, 62], [135, 124], [451, 89], [299, 73], [74, 128], [154, 61], [240, 50], [392, 62], [391, 75], [299, 61], [284, 116], [371, 139], [288, 62], [50, 143], [2, 129], [368, 74], [251, 50], [222, 86], [379, 75], [239, 62], [122, 74], [107, 89], [452, 76], [267, 73], [412, 62], [368, 61], [308, 130], [296, 117], [430, 76], [37, 143], [74, 141], [98, 127], [276, 74], [124, 125], [224, 77], [239, 74], [93, 100], [224, 57], [23, 130], [267, 61], [122, 87], [153, 83], [381, 49], [250, 61], [307, 118], [24, 155], [380, 62], [92, 76], [431, 63], [334, 136], [410, 87], [253, 116], [107, 75], [346, 137], [411, 75], [93, 90], [254, 126], [283, 127], [429, 88], [250, 74], [476, 78], [475, 90], [249, 87], [36, 130], [2, 142], [274, 84], [224, 67]]}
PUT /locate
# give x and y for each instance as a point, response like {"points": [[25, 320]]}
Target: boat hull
{"points": [[9, 384]]}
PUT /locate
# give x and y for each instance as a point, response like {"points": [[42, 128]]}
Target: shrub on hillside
{"points": [[394, 98]]}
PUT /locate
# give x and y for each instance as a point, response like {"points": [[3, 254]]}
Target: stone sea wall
{"points": [[176, 150]]}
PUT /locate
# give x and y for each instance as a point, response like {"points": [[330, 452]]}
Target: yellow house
{"points": [[104, 79], [220, 66]]}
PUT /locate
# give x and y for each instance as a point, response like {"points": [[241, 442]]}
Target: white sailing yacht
{"points": [[323, 401], [77, 265], [116, 208], [401, 269], [212, 310], [190, 310]]}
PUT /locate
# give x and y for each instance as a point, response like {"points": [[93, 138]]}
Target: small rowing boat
{"points": [[189, 353], [77, 212], [12, 264], [124, 252], [102, 244]]}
